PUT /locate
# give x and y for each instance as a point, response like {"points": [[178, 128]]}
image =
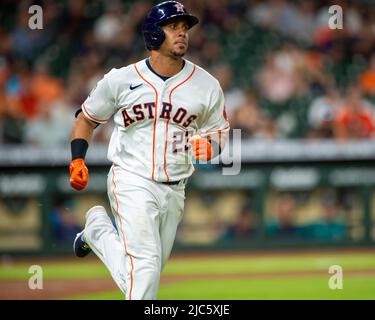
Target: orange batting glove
{"points": [[202, 148], [79, 174]]}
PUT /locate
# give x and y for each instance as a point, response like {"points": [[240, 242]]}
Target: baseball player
{"points": [[166, 109]]}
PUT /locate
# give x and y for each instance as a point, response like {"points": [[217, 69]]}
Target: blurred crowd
{"points": [[321, 214], [284, 72]]}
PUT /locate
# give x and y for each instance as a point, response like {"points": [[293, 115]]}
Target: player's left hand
{"points": [[202, 148], [79, 174]]}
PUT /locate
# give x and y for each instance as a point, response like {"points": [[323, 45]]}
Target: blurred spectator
{"points": [[45, 87], [14, 102], [234, 97], [312, 70], [5, 43], [19, 89], [108, 26], [12, 122], [245, 225], [295, 20], [280, 79], [365, 37], [322, 112], [268, 13], [329, 225], [367, 80], [355, 118], [74, 22], [52, 126], [64, 223], [253, 121], [283, 223], [298, 22]]}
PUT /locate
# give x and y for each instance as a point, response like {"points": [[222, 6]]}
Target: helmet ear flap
{"points": [[153, 35]]}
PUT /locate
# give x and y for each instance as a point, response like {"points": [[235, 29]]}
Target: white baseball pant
{"points": [[147, 214]]}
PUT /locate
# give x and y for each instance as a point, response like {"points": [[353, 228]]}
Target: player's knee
{"points": [[96, 210], [151, 277], [152, 269], [97, 223]]}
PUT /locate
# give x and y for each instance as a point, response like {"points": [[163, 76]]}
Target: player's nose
{"points": [[181, 32]]}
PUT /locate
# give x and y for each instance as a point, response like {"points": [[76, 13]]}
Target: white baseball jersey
{"points": [[154, 118]]}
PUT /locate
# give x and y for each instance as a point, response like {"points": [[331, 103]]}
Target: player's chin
{"points": [[179, 51]]}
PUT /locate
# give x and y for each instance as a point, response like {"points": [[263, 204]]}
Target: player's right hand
{"points": [[79, 174], [202, 148]]}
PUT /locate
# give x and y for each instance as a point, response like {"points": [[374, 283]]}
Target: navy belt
{"points": [[173, 183]]}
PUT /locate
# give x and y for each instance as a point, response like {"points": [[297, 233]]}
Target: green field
{"points": [[268, 276]]}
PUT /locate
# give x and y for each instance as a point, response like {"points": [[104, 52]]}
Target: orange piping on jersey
{"points": [[155, 118], [122, 233], [166, 132], [90, 117]]}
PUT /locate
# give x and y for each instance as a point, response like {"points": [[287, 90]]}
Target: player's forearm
{"points": [[82, 129], [81, 137]]}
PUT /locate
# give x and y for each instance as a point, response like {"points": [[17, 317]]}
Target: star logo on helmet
{"points": [[179, 7]]}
